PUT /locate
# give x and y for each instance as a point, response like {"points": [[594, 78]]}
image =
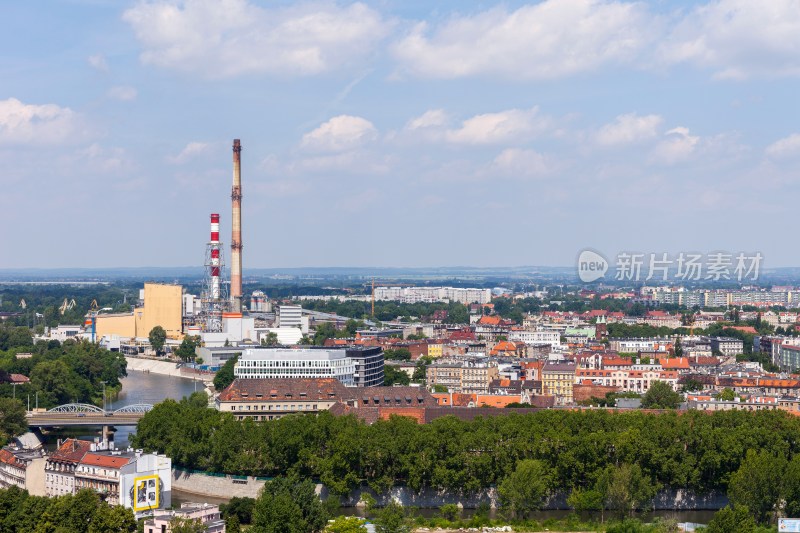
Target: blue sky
{"points": [[398, 132]]}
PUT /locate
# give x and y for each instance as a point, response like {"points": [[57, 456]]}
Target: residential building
{"points": [[433, 294], [788, 357], [638, 381], [557, 380], [468, 376], [101, 473], [208, 515], [61, 464], [537, 337], [726, 345], [639, 344]]}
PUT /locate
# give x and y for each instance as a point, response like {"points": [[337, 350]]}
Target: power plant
{"points": [[236, 229], [214, 298]]}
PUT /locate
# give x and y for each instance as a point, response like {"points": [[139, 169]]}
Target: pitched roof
{"points": [[105, 461], [282, 389], [10, 459], [71, 451]]}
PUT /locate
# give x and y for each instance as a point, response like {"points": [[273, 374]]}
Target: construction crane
{"points": [[23, 304], [91, 319], [67, 306]]}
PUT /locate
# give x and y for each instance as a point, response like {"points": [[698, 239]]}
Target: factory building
{"points": [[163, 306]]}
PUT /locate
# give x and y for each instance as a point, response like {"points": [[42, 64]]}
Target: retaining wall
{"points": [[166, 368], [221, 486]]}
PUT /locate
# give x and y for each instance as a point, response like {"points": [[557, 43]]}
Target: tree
{"points": [[188, 348], [270, 339], [108, 519], [726, 395], [526, 488], [449, 511], [585, 500], [288, 505], [758, 484], [13, 421], [346, 524], [224, 376], [678, 348], [157, 338], [736, 519], [186, 525], [232, 525], [399, 354], [392, 519], [395, 376], [661, 396], [242, 508], [625, 488]]}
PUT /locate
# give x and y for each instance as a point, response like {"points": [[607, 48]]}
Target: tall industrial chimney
{"points": [[236, 226], [215, 259]]}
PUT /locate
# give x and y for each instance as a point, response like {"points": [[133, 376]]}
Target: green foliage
{"points": [[186, 351], [526, 488], [74, 371], [12, 419], [736, 519], [449, 511], [439, 388], [395, 376], [83, 512], [758, 484], [241, 508], [392, 519], [399, 354], [288, 505], [455, 455], [661, 396], [726, 395], [157, 337], [224, 376], [346, 524], [186, 525], [586, 500], [625, 488]]}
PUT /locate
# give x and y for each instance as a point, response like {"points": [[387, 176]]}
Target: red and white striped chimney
{"points": [[215, 293]]}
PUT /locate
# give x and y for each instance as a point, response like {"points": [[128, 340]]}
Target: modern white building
{"points": [[553, 338], [290, 316], [273, 363]]}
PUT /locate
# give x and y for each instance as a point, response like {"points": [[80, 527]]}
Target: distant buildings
{"points": [[433, 294]]}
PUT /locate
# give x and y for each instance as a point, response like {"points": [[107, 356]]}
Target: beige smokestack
{"points": [[236, 226]]}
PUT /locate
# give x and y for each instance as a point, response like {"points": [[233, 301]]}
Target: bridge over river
{"points": [[82, 414]]}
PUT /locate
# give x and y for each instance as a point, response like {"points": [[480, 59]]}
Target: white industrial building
{"points": [[433, 294]]}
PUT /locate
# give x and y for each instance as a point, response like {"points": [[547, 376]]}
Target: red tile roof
{"points": [[10, 459], [105, 461], [71, 451]]}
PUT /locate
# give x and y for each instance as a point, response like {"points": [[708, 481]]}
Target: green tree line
{"points": [[695, 451]]}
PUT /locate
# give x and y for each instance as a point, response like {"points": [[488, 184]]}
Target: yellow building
{"points": [[557, 380], [163, 306], [435, 350]]}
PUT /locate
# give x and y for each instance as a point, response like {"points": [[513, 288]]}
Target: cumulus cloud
{"points": [[191, 150], [677, 146], [628, 129], [344, 132], [738, 38], [547, 40], [520, 162], [98, 62], [225, 38], [433, 118], [786, 147], [505, 126], [123, 93], [44, 124]]}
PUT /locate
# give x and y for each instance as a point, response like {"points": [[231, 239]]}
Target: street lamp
{"points": [[104, 395]]}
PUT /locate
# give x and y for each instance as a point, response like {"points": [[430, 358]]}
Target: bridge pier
{"points": [[106, 434]]}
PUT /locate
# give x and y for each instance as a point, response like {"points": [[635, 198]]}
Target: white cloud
{"points": [[123, 93], [786, 147], [628, 129], [506, 126], [520, 162], [98, 62], [224, 38], [546, 40], [344, 132], [44, 124], [678, 146], [738, 38], [189, 151], [430, 119]]}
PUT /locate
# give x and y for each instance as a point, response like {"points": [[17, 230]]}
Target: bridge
{"points": [[83, 414]]}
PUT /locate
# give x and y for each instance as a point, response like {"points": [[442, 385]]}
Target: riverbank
{"points": [[166, 368]]}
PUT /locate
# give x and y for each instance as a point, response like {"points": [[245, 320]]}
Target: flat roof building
{"points": [[265, 363]]}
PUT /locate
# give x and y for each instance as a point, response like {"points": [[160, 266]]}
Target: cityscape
{"points": [[396, 267]]}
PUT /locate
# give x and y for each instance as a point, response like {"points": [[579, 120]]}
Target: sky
{"points": [[397, 132]]}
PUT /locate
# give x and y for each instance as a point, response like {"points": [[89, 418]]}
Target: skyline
{"points": [[500, 134]]}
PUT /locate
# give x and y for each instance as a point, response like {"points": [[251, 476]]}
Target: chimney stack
{"points": [[236, 226], [215, 259]]}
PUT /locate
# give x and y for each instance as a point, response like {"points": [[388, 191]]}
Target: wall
{"points": [[227, 487], [120, 325], [163, 305]]}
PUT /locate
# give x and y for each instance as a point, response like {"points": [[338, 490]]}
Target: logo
{"points": [[591, 266]]}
